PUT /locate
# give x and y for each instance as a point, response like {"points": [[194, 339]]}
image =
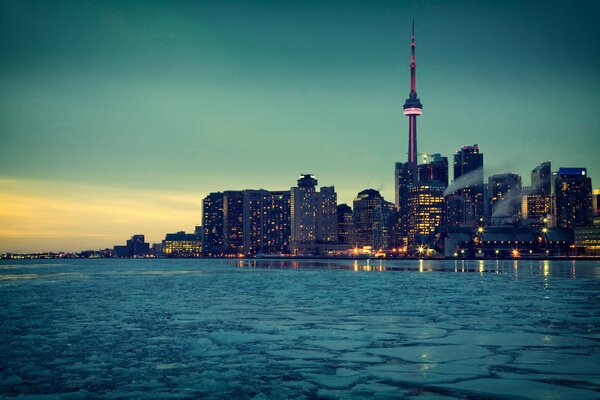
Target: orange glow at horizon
{"points": [[58, 216]]}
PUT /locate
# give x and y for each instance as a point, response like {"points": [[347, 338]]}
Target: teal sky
{"points": [[192, 97]]}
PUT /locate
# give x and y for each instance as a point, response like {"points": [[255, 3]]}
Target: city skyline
{"points": [[161, 193]]}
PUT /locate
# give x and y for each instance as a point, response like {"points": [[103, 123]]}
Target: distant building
{"points": [[212, 224], [596, 202], [233, 221], [313, 215], [277, 225], [304, 203], [572, 198], [253, 221], [465, 203], [135, 247], [345, 224], [182, 244], [327, 224], [505, 196], [369, 215]]}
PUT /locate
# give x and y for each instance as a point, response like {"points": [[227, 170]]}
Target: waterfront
{"points": [[300, 328]]}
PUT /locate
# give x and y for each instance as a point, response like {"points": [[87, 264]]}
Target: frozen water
{"points": [[305, 329]]}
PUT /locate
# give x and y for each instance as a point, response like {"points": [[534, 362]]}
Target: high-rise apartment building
{"points": [[212, 224], [253, 221], [233, 221], [304, 203], [277, 222], [313, 214]]}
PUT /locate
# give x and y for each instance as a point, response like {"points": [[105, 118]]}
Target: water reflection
{"points": [[515, 268]]}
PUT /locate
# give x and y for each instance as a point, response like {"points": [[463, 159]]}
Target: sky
{"points": [[118, 117]]}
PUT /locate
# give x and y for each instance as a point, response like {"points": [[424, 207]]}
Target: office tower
{"points": [[345, 224], [327, 229], [233, 221], [181, 244], [572, 197], [212, 224], [505, 195], [596, 202], [426, 209], [435, 170], [277, 222], [368, 209], [464, 204]]}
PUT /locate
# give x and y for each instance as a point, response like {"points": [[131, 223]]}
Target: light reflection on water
{"points": [[517, 268]]}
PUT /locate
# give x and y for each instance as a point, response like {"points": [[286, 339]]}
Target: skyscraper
{"points": [[572, 197], [212, 224], [345, 224], [368, 214], [505, 195], [425, 210], [327, 229], [537, 198], [464, 204]]}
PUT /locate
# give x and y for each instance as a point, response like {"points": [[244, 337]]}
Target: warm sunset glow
{"points": [[43, 216]]}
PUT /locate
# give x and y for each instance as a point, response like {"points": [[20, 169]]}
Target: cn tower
{"points": [[412, 108]]}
